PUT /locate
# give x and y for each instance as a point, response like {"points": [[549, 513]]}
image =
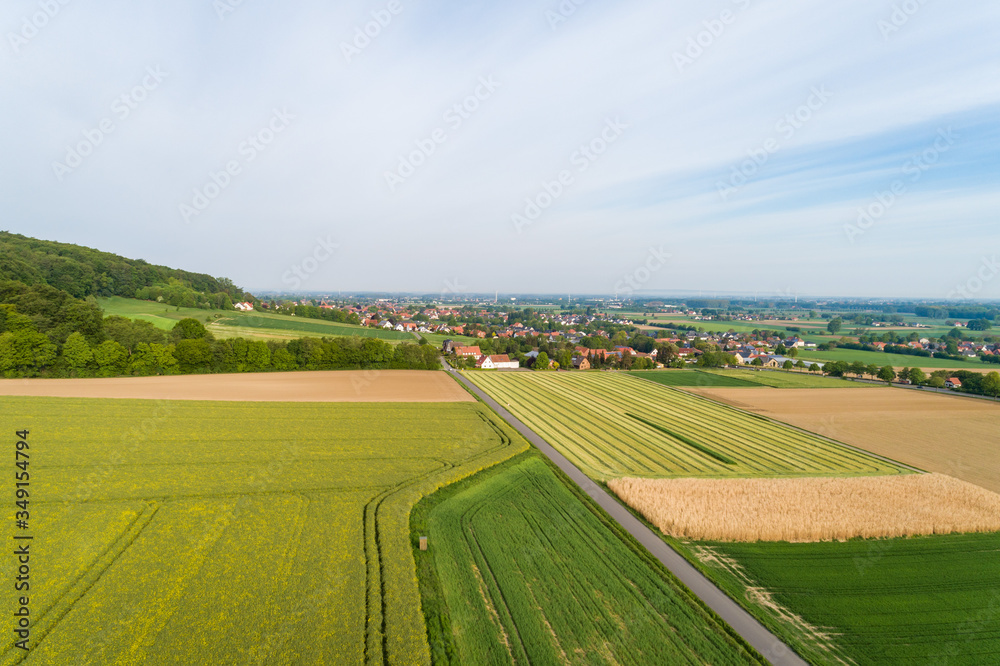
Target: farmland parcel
{"points": [[938, 433], [531, 573], [315, 386], [234, 532], [923, 600], [745, 378], [613, 425], [817, 509]]}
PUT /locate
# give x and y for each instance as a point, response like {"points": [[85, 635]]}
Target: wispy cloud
{"points": [[689, 127]]}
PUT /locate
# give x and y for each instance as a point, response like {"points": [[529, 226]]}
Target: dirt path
{"points": [[338, 386]]}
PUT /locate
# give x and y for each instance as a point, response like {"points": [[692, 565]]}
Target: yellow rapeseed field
{"points": [[234, 532]]}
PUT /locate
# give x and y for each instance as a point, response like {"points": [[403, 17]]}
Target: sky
{"points": [[555, 146]]}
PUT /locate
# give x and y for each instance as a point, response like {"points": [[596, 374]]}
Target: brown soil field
{"points": [[338, 386], [804, 509], [934, 432]]}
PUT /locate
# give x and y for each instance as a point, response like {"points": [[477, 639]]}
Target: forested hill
{"points": [[83, 271]]}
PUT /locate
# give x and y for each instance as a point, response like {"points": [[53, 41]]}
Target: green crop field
{"points": [[783, 379], [895, 360], [690, 378], [591, 418], [159, 314], [520, 570], [268, 323], [741, 379], [220, 532], [922, 600], [437, 339], [228, 323]]}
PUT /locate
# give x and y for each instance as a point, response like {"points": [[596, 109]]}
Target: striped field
{"points": [[612, 425]]}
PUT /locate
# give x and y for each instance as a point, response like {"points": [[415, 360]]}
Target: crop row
{"points": [[531, 575], [586, 416]]}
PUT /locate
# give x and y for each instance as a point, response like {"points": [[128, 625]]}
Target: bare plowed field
{"points": [[342, 386], [937, 433], [819, 509]]}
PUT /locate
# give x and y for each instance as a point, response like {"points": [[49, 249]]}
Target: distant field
{"points": [[613, 425], [438, 339], [519, 570], [315, 386], [741, 378], [935, 432], [810, 330], [896, 360], [922, 600], [690, 378], [812, 509], [228, 323], [270, 322], [251, 533], [159, 314], [782, 379]]}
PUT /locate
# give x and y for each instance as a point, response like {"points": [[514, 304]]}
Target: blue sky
{"points": [[273, 145]]}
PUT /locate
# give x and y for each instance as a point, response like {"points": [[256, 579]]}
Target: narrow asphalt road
{"points": [[752, 631]]}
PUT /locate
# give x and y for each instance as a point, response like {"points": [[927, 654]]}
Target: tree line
{"points": [[123, 347], [972, 382]]}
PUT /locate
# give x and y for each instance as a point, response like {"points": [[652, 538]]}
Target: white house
{"points": [[495, 362], [243, 307]]}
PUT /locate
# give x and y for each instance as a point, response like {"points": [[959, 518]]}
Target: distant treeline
{"points": [[82, 271], [948, 312], [674, 327], [711, 303]]}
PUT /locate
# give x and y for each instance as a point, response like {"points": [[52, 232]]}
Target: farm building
{"points": [[468, 351], [496, 361]]}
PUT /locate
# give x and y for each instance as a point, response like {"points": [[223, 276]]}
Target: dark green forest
{"points": [[82, 271]]}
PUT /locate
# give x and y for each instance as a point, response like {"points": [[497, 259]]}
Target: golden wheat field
{"points": [[952, 435], [811, 509]]}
